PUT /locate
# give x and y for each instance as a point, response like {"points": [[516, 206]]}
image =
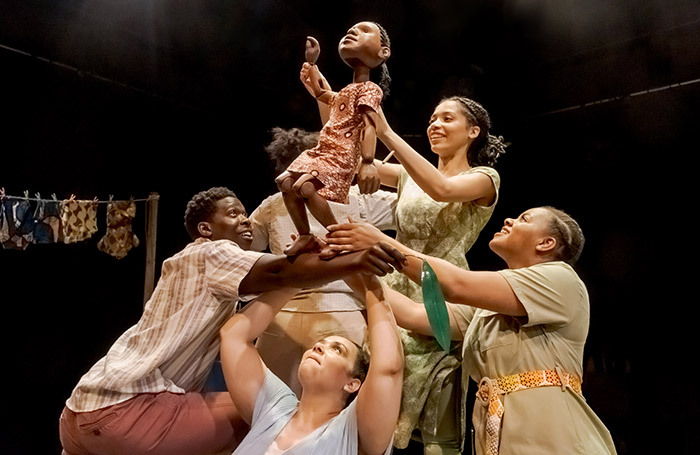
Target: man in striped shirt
{"points": [[146, 395]]}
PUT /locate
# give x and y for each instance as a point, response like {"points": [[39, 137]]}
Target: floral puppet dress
{"points": [[335, 159], [446, 230]]}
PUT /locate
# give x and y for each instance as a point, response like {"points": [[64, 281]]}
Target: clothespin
{"points": [[26, 194], [53, 195]]}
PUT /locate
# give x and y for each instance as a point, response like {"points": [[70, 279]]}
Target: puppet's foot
{"points": [[301, 244], [328, 253]]}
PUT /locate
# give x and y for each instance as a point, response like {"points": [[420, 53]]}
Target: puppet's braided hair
{"points": [[384, 78]]}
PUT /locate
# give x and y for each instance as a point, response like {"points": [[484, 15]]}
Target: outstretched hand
{"points": [[352, 236], [380, 259]]}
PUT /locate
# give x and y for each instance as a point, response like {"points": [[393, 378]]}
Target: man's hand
{"points": [[380, 259]]}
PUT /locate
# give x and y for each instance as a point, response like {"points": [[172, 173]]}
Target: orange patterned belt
{"points": [[490, 391]]}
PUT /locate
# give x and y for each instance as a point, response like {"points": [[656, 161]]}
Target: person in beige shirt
{"points": [[524, 330]]}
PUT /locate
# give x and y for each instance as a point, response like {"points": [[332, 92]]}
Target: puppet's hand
{"points": [[368, 178], [314, 82], [305, 78], [312, 49]]}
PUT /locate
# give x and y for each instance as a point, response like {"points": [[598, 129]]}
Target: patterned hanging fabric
{"points": [[119, 238], [18, 223], [78, 220], [4, 223]]}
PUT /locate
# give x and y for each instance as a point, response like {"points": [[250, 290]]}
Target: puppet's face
{"points": [[362, 45]]}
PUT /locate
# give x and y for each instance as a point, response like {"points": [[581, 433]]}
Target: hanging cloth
{"points": [[47, 221], [19, 219], [4, 223], [78, 220], [119, 238]]}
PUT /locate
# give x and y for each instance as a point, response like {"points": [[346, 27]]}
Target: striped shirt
{"points": [[174, 344]]}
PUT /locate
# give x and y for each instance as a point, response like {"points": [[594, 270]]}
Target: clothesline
{"points": [[97, 201], [73, 220], [68, 221]]}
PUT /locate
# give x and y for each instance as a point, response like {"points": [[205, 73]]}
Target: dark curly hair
{"points": [[486, 148], [202, 207], [287, 144], [568, 234]]}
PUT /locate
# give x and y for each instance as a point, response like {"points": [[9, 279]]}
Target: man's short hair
{"points": [[202, 207]]}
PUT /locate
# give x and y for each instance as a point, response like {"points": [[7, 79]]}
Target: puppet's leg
{"points": [[307, 187], [295, 204]]}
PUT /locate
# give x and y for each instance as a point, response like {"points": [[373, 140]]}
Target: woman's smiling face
{"points": [[449, 130]]}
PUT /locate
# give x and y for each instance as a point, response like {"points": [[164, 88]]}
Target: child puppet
{"points": [[325, 172]]}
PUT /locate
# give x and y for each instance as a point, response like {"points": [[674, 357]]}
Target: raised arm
{"points": [[458, 188], [317, 85], [487, 290], [379, 398], [241, 364]]}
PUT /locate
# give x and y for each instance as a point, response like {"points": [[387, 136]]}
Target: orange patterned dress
{"points": [[335, 159]]}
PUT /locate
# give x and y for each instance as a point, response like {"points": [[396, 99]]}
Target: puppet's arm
{"points": [[367, 175], [312, 78], [319, 90], [323, 108]]}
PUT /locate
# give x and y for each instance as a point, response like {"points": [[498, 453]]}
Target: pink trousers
{"points": [[163, 423]]}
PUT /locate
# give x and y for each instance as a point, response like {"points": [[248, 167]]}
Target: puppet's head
{"points": [[366, 44]]}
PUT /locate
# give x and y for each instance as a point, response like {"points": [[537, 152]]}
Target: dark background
{"points": [[599, 98]]}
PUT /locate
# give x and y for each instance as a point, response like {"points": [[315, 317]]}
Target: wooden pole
{"points": [[151, 228]]}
